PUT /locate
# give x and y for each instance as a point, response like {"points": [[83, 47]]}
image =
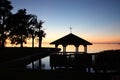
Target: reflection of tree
{"points": [[5, 8]]}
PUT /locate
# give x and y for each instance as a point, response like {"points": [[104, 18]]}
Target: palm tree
{"points": [[32, 27], [40, 32], [35, 30], [5, 11]]}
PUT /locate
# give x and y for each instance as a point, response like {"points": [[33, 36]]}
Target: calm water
{"points": [[91, 49]]}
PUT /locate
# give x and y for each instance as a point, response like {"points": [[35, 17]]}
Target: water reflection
{"points": [[45, 64]]}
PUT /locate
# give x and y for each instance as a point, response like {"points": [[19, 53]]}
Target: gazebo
{"points": [[71, 39]]}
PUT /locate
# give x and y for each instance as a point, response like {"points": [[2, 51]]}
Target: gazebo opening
{"points": [[81, 48], [70, 48]]}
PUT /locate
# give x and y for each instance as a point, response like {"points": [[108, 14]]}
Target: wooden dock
{"points": [[104, 62]]}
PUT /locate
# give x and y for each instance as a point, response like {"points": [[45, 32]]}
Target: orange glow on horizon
{"points": [[91, 48], [92, 39], [49, 39]]}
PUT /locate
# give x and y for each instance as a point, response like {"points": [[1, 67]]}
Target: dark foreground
{"points": [[55, 75], [14, 60]]}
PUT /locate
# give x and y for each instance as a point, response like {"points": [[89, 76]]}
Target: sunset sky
{"points": [[93, 20]]}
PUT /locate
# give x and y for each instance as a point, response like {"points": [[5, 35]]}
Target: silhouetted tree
{"points": [[35, 30], [32, 28], [40, 33], [5, 12], [19, 26]]}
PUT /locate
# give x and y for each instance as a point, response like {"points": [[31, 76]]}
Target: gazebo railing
{"points": [[67, 53]]}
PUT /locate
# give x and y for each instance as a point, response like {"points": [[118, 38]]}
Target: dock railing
{"points": [[71, 60], [108, 62]]}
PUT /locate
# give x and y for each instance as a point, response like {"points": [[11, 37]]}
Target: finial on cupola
{"points": [[70, 29]]}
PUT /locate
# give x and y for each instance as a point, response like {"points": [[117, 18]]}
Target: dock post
{"points": [[40, 66], [52, 68], [33, 65]]}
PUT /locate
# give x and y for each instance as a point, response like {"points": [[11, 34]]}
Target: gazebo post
{"points": [[77, 48], [56, 45], [85, 48], [64, 49]]}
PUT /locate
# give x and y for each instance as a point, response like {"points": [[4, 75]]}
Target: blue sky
{"points": [[94, 20]]}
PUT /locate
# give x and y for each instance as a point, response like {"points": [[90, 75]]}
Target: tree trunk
{"points": [[3, 40], [21, 42], [40, 38], [33, 41], [40, 41]]}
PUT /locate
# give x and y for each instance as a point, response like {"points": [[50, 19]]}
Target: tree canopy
{"points": [[5, 12], [19, 26]]}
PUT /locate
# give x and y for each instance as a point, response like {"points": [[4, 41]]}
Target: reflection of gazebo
{"points": [[71, 39]]}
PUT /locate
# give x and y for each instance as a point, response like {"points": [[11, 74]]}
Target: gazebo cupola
{"points": [[71, 39]]}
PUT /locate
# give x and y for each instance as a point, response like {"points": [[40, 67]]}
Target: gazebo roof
{"points": [[71, 39]]}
